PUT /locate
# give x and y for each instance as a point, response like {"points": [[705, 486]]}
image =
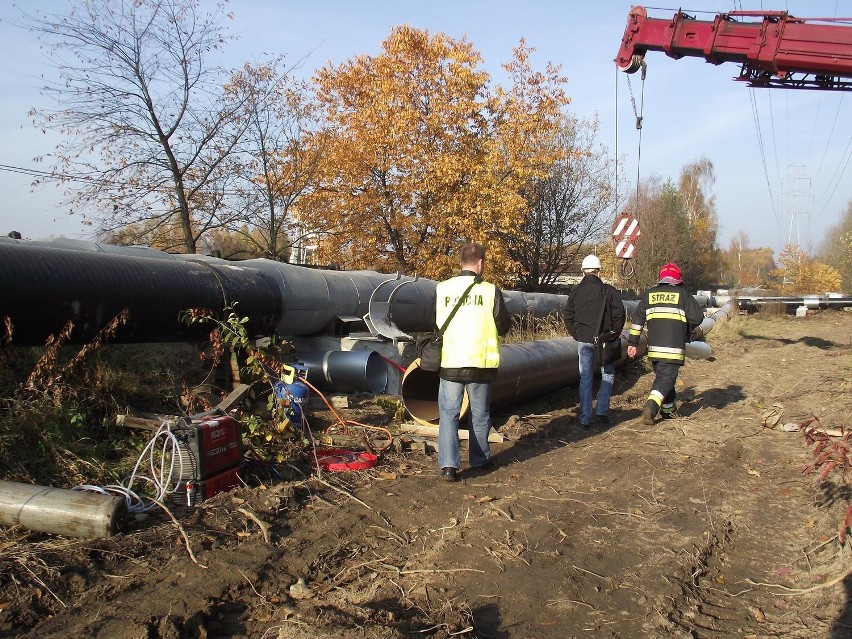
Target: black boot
{"points": [[649, 412]]}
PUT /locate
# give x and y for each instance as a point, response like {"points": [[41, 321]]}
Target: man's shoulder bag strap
{"points": [[605, 291], [452, 314]]}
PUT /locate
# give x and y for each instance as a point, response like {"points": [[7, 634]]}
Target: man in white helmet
{"points": [[593, 308]]}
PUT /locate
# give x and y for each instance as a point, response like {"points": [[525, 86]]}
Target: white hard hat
{"points": [[591, 262]]}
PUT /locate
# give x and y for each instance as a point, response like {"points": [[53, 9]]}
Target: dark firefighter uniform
{"points": [[671, 315]]}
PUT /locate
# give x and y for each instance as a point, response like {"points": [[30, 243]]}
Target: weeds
{"points": [[42, 432], [260, 363], [830, 454], [529, 328], [57, 403]]}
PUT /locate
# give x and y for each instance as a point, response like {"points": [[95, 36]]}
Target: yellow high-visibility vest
{"points": [[470, 339]]}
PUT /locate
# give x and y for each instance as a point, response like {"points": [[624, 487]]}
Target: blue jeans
{"points": [[449, 408], [586, 354]]}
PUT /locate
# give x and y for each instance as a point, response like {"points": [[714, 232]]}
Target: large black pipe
{"points": [[47, 283], [346, 371], [43, 288]]}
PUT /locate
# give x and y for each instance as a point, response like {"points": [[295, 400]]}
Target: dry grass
{"points": [[529, 328]]}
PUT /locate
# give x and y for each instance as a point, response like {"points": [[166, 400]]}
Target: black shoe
{"points": [[669, 413], [486, 466], [586, 426], [602, 420], [448, 474]]}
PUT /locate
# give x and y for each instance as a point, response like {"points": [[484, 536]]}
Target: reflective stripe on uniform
{"points": [[664, 352], [665, 349], [635, 329], [665, 313], [656, 397]]}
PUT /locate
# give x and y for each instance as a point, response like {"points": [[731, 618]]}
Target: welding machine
{"points": [[211, 449], [197, 490]]}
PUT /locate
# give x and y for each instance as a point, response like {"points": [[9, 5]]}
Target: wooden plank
{"points": [[234, 398], [133, 421], [432, 431]]}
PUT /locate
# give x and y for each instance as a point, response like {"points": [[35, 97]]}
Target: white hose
{"points": [[166, 469]]}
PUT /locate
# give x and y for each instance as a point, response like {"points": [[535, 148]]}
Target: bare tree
{"points": [[141, 101], [568, 209], [696, 190], [836, 248], [277, 160]]}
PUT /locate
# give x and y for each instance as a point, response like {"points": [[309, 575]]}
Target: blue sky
{"points": [[691, 108]]}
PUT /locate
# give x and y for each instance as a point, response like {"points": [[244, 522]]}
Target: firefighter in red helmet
{"points": [[672, 317]]}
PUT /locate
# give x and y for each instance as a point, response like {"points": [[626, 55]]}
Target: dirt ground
{"points": [[702, 526]]}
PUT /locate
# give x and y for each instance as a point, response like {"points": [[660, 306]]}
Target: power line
{"points": [[762, 152], [45, 174], [830, 136], [774, 137], [839, 178]]}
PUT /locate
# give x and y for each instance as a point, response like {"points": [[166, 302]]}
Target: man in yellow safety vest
{"points": [[469, 358]]}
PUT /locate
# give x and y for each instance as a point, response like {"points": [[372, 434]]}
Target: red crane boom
{"points": [[779, 50]]}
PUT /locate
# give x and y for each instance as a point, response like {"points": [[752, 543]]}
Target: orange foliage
{"points": [[421, 155]]}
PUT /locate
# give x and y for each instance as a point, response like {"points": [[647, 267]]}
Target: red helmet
{"points": [[670, 274]]}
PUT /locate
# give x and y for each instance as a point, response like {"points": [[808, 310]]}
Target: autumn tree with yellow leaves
{"points": [[836, 248], [422, 154], [743, 266], [801, 275]]}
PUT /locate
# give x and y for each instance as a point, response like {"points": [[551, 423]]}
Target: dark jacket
{"points": [[584, 308], [503, 323], [671, 314]]}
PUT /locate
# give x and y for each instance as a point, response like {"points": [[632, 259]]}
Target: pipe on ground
{"points": [[527, 370], [70, 513], [722, 315]]}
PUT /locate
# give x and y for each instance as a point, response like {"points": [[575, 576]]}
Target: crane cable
{"points": [[626, 269], [638, 115]]}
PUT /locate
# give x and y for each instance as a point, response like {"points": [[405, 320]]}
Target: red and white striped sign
{"points": [[625, 249], [625, 227], [625, 235]]}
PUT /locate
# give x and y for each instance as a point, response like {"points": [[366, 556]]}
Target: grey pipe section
{"points": [[722, 315], [71, 513], [753, 304], [701, 349], [346, 371], [527, 370]]}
